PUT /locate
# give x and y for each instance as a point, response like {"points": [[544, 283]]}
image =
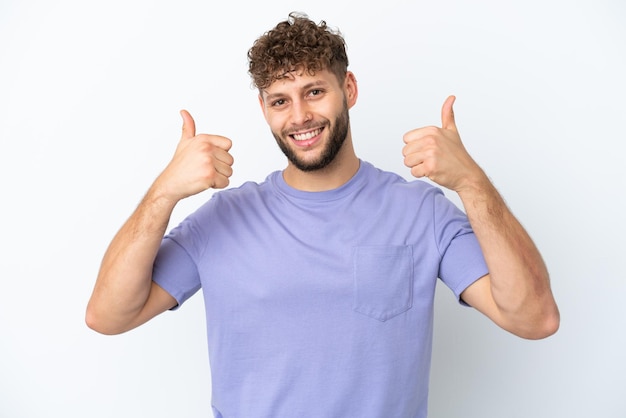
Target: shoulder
{"points": [[248, 190], [395, 185], [400, 196], [236, 200]]}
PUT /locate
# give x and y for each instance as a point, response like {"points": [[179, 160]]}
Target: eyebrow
{"points": [[307, 86]]}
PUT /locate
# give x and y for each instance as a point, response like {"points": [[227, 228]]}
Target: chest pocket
{"points": [[383, 280]]}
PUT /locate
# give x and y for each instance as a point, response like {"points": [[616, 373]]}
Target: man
{"points": [[319, 282]]}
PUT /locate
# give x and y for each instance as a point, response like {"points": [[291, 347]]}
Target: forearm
{"points": [[124, 295], [518, 277], [125, 277]]}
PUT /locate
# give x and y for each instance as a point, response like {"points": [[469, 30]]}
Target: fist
{"points": [[200, 162], [438, 153]]}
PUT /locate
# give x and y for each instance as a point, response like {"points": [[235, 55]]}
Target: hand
{"points": [[200, 162], [439, 154]]}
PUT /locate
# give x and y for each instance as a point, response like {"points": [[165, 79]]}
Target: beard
{"points": [[336, 137]]}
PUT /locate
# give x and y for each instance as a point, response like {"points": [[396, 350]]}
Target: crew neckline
{"points": [[345, 189]]}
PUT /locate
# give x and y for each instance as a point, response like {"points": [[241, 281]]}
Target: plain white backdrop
{"points": [[89, 101]]}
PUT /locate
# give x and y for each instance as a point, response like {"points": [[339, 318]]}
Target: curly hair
{"points": [[297, 44]]}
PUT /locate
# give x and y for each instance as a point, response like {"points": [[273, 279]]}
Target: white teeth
{"points": [[305, 136]]}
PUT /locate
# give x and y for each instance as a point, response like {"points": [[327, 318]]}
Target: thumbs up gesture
{"points": [[438, 153], [200, 162]]}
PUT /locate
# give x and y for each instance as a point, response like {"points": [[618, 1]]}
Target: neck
{"points": [[334, 175]]}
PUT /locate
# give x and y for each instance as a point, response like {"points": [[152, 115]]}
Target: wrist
{"points": [[161, 195], [475, 184]]}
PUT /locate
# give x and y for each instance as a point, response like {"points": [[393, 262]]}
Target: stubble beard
{"points": [[337, 136]]}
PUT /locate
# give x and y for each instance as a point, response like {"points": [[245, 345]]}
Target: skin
{"points": [[301, 104], [124, 295], [515, 294]]}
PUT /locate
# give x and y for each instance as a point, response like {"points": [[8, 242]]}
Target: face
{"points": [[308, 116]]}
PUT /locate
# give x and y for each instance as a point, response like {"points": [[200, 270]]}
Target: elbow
{"points": [[550, 324], [544, 327], [98, 322], [93, 322], [550, 321]]}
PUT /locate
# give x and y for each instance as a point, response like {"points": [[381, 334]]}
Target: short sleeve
{"points": [[462, 261], [462, 264], [175, 271]]}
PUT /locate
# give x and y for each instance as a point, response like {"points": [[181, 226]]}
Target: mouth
{"points": [[306, 136]]}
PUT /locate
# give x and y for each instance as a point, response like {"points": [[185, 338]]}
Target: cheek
{"points": [[276, 123], [274, 126]]}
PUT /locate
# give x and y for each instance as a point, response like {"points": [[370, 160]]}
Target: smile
{"points": [[306, 135]]}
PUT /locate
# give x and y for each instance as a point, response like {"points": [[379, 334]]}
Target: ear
{"points": [[351, 89]]}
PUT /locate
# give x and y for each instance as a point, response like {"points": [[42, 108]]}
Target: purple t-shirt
{"points": [[321, 303]]}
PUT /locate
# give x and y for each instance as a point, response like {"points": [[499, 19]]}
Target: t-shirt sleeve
{"points": [[462, 261], [175, 268], [175, 271]]}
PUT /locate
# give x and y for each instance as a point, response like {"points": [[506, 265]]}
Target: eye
{"points": [[316, 92], [277, 103]]}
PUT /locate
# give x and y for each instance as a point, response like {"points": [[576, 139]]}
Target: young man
{"points": [[319, 282]]}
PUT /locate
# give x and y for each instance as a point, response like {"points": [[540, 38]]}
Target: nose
{"points": [[300, 112]]}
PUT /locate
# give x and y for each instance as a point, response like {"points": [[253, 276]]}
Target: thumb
{"points": [[189, 126], [447, 114]]}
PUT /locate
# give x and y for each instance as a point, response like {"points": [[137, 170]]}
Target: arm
{"points": [[516, 293], [124, 295]]}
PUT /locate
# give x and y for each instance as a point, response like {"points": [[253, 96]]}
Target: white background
{"points": [[89, 101]]}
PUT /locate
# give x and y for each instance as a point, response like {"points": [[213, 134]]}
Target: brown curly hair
{"points": [[297, 44]]}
